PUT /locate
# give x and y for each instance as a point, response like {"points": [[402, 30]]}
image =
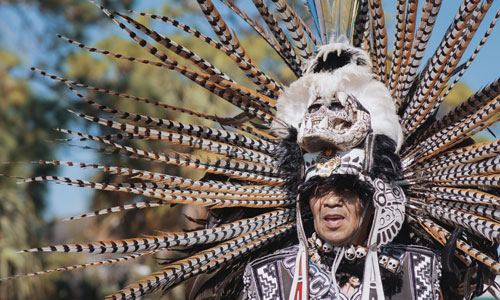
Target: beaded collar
{"points": [[323, 254]]}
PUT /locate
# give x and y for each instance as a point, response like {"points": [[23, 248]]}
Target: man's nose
{"points": [[333, 200]]}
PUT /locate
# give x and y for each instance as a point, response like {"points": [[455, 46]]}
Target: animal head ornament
{"points": [[337, 102], [335, 121]]}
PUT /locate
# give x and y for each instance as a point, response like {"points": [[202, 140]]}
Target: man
{"points": [[342, 214], [345, 139]]}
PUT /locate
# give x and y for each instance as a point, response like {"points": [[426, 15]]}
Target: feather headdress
{"points": [[449, 181]]}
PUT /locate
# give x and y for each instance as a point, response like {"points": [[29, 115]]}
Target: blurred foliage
{"points": [[25, 123], [27, 115]]}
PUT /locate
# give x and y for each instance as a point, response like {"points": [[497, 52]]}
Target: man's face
{"points": [[337, 215]]}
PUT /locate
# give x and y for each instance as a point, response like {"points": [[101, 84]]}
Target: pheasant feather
{"points": [[170, 240], [202, 262], [476, 254], [221, 29], [427, 21], [190, 129]]}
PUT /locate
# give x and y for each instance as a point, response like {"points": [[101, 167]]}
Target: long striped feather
{"points": [[110, 261], [457, 194], [190, 129], [380, 38], [410, 26], [202, 262], [165, 180], [476, 224], [462, 155], [463, 246], [174, 239], [242, 99], [111, 137], [480, 117], [361, 25], [462, 40], [467, 107], [152, 189], [214, 73], [456, 54], [221, 29], [185, 140], [185, 200], [492, 213], [204, 80], [182, 51], [251, 130], [287, 50], [398, 46], [437, 62], [294, 27], [256, 26], [104, 150], [124, 95], [427, 21], [473, 181], [180, 159], [307, 30], [469, 61], [244, 65], [485, 167]]}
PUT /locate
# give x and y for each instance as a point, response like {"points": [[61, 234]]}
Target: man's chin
{"points": [[337, 239]]}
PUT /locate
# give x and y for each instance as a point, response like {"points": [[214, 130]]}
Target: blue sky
{"points": [[67, 201]]}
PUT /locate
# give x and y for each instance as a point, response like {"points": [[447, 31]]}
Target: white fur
{"points": [[352, 79]]}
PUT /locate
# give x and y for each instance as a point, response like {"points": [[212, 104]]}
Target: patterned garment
{"points": [[270, 277]]}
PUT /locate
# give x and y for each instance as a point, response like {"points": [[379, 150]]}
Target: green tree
{"points": [[23, 131]]}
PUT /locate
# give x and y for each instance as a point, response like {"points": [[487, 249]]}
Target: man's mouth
{"points": [[333, 220]]}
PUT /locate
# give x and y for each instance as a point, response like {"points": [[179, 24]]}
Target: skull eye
{"points": [[313, 108], [335, 106]]}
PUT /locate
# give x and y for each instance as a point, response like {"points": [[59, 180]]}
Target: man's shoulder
{"points": [[280, 254], [270, 277]]}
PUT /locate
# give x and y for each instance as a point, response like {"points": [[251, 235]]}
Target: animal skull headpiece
{"points": [[333, 121], [337, 102]]}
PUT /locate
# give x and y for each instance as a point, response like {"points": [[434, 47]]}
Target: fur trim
{"points": [[386, 163], [290, 161]]}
